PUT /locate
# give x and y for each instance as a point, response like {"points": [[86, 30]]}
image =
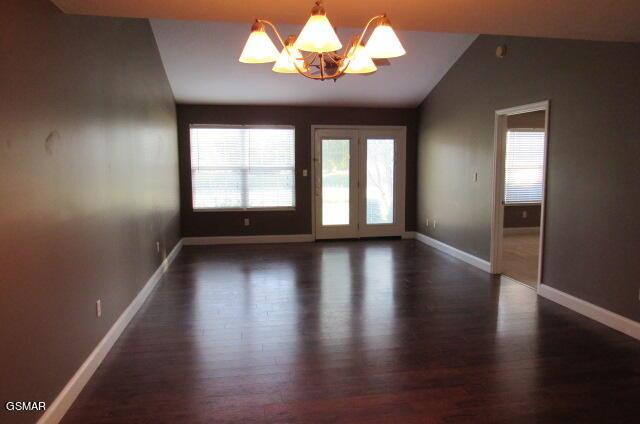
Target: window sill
{"points": [[282, 209]]}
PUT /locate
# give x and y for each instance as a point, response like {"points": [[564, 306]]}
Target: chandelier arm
{"points": [[356, 44], [347, 47], [337, 75], [300, 71], [295, 63], [351, 43], [366, 27], [284, 46], [275, 30], [315, 78], [345, 67]]}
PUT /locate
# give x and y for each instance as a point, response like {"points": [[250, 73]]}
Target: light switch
{"points": [[304, 172], [247, 222]]}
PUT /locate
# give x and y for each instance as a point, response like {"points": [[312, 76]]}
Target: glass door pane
{"points": [[380, 172], [335, 182], [359, 178]]}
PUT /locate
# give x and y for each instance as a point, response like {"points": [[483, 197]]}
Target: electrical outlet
{"points": [[98, 308], [434, 224], [304, 173], [427, 222], [524, 214], [158, 246], [247, 222], [638, 294]]}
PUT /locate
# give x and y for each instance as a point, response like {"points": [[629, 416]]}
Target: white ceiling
{"points": [[201, 60]]}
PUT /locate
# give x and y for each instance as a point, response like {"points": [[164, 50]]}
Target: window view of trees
{"points": [[380, 163], [335, 182], [379, 181]]}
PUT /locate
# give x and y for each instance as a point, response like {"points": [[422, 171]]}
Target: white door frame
{"points": [[400, 184], [400, 150], [497, 215], [338, 231]]}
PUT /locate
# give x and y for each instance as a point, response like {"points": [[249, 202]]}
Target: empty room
{"points": [[307, 212]]}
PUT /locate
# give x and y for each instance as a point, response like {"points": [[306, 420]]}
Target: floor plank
{"points": [[520, 253], [356, 332]]}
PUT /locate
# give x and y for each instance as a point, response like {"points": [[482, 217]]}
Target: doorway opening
{"points": [[358, 181], [517, 230]]}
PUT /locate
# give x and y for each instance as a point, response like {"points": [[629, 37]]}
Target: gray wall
{"points": [[526, 120], [514, 216], [592, 233], [88, 182]]}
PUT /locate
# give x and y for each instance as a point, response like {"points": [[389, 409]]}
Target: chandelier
{"points": [[314, 54]]}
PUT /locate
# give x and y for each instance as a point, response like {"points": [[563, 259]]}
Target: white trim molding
{"points": [[596, 313], [357, 134], [456, 253], [284, 238], [59, 407], [497, 211]]}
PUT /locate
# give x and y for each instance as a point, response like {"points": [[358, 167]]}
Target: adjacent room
{"points": [[319, 212], [522, 157]]}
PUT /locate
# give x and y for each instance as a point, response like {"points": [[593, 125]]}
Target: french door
{"points": [[359, 177]]}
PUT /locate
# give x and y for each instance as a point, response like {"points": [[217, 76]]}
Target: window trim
{"points": [[258, 209], [525, 203], [522, 203]]}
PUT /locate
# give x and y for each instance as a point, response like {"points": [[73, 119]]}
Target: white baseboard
{"points": [[70, 392], [596, 313], [456, 253], [285, 238], [521, 230]]}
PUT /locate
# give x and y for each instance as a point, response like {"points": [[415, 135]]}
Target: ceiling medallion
{"points": [[314, 54]]}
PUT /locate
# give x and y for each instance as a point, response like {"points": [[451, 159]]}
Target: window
{"points": [[524, 166], [242, 167]]}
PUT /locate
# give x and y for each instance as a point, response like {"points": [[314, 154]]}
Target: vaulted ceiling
{"points": [[201, 60], [616, 20], [200, 41]]}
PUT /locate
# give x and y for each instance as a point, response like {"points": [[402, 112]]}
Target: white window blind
{"points": [[524, 166], [242, 167]]}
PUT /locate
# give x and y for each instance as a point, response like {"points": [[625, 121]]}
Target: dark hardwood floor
{"points": [[356, 332]]}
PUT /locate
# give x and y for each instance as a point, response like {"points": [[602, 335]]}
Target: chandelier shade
{"points": [[384, 43], [259, 48], [358, 61], [290, 60], [317, 53], [318, 35]]}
